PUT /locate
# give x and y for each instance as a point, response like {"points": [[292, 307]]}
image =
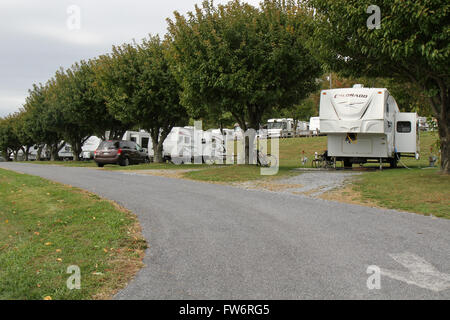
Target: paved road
{"points": [[218, 242]]}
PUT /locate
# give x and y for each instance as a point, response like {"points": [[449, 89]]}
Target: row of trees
{"points": [[234, 59], [239, 62]]}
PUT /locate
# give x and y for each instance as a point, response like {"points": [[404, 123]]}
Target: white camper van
{"points": [[280, 128], [89, 147], [66, 153], [314, 126], [303, 128], [365, 125], [184, 144]]}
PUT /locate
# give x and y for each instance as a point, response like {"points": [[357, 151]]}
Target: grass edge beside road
{"points": [[420, 191], [46, 227]]}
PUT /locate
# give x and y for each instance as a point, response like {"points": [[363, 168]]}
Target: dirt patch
{"points": [[346, 194], [311, 184], [167, 173], [267, 186]]}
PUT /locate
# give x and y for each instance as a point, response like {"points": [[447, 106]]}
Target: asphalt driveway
{"points": [[217, 242]]}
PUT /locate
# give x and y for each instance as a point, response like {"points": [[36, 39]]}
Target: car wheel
{"points": [[100, 165], [146, 160], [125, 162]]}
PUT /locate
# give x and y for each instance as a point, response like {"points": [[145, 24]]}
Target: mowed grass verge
{"points": [[291, 153], [46, 227], [424, 191]]}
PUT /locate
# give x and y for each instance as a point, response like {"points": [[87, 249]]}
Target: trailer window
{"points": [[404, 127], [145, 142], [108, 145]]}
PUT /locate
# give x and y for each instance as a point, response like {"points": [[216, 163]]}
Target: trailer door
{"points": [[406, 133]]}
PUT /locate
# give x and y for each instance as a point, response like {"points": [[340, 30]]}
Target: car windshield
{"points": [[275, 125], [109, 145]]}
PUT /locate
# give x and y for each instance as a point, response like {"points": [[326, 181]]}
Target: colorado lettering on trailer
{"points": [[351, 95]]}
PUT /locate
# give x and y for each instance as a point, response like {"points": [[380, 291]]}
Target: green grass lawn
{"points": [[422, 191], [46, 227]]}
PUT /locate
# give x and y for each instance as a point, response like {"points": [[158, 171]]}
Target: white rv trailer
{"points": [[280, 128], [302, 128], [365, 124], [33, 153], [89, 147], [66, 153], [185, 144], [314, 125]]}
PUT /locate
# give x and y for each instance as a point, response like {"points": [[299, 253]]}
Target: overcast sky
{"points": [[39, 36]]}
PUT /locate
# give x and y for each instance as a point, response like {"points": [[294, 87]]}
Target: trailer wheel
{"points": [[393, 163], [100, 165], [348, 164]]}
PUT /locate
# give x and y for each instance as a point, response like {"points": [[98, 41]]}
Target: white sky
{"points": [[36, 41]]}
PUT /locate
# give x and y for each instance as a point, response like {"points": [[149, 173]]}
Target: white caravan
{"points": [[302, 128], [142, 138], [314, 126], [280, 128], [89, 147], [365, 124], [66, 153], [185, 145], [423, 124]]}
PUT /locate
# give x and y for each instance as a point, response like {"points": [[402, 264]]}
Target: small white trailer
{"points": [[302, 128], [186, 145], [314, 126], [280, 128], [89, 147], [365, 125], [66, 153]]}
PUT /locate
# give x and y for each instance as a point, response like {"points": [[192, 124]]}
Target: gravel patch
{"points": [[311, 183]]}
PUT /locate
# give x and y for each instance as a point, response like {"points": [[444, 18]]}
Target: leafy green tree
{"points": [[20, 130], [77, 101], [9, 140], [69, 99], [410, 45], [4, 138], [42, 122], [241, 59], [142, 89]]}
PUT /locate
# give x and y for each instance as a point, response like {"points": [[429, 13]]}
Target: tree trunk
{"points": [[158, 153], [54, 149], [16, 154], [38, 155], [76, 150], [443, 118], [157, 146], [27, 153], [444, 136]]}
